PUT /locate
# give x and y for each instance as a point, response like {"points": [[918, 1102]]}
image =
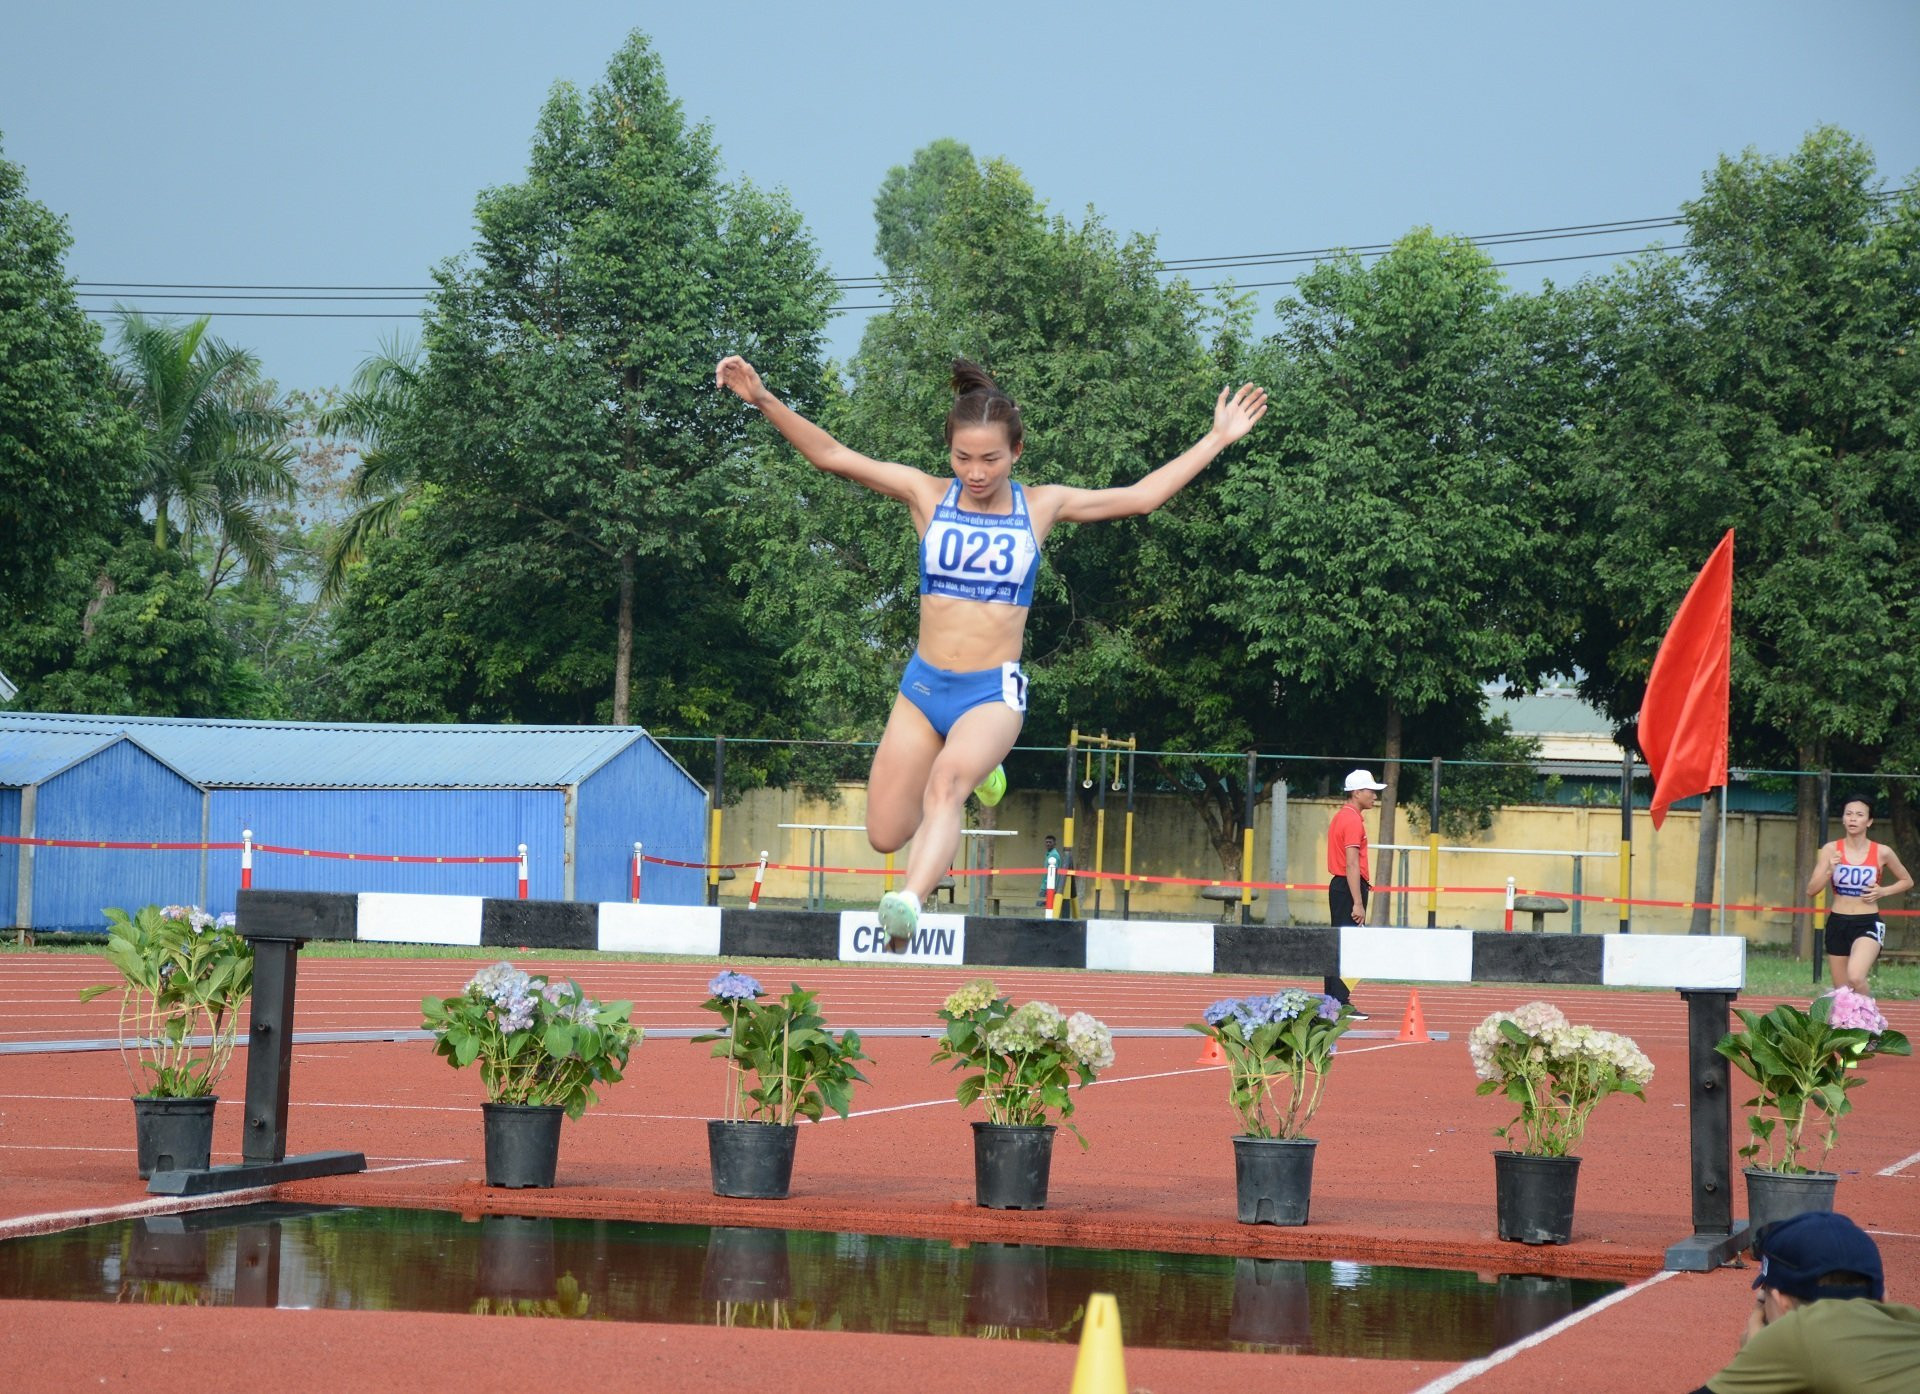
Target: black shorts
{"points": [[1843, 931]]}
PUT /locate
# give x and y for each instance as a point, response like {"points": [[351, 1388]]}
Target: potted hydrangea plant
{"points": [[1804, 1063], [542, 1047], [1024, 1061], [1278, 1049], [783, 1064], [184, 977], [1557, 1074]]}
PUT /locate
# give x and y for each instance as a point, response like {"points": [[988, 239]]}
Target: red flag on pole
{"points": [[1683, 718]]}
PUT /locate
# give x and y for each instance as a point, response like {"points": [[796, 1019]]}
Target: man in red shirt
{"points": [[1347, 867]]}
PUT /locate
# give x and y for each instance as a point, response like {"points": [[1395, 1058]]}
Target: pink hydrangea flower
{"points": [[1856, 1010]]}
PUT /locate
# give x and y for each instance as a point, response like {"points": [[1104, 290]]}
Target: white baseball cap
{"points": [[1361, 779]]}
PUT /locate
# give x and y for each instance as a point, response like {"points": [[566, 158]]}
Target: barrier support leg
{"points": [[269, 1085], [1716, 1238]]}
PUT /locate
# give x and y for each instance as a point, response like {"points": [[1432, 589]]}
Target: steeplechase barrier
{"points": [[1708, 972]]}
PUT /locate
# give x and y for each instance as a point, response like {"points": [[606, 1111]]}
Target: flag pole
{"points": [[1726, 791]]}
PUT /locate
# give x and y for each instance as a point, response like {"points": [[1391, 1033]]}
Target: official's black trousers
{"points": [[1340, 911]]}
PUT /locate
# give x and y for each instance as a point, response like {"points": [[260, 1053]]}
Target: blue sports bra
{"points": [[990, 557]]}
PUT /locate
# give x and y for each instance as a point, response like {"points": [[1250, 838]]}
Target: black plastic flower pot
{"points": [[1534, 1197], [173, 1134], [753, 1161], [1011, 1165], [1779, 1195], [523, 1143], [1273, 1179]]}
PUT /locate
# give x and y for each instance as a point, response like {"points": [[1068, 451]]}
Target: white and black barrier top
{"points": [[1140, 946]]}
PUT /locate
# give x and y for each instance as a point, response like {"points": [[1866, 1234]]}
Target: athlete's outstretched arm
{"points": [[1233, 417], [734, 374]]}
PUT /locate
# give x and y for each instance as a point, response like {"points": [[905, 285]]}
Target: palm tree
{"points": [[384, 483], [214, 448]]}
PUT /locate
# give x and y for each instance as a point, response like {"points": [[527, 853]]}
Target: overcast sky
{"points": [[342, 144]]}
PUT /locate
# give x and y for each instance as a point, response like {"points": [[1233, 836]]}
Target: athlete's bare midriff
{"points": [[964, 636]]}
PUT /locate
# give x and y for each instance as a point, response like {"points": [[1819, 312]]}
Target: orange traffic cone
{"points": [[1212, 1054], [1413, 1027]]}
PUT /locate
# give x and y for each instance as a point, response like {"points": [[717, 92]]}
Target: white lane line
{"points": [[1473, 1369], [425, 1162], [1899, 1166]]}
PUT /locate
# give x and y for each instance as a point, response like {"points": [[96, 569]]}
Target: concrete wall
{"points": [[1170, 840]]}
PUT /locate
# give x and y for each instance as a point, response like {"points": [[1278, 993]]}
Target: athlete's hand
{"points": [[1234, 416], [734, 374]]}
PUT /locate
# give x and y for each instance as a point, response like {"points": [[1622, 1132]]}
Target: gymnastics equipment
{"points": [[1083, 745]]}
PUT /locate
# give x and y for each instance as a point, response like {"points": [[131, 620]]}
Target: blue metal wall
{"points": [[640, 795], [9, 855], [405, 822], [121, 794]]}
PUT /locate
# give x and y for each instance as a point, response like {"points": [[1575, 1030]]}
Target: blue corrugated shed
{"points": [[93, 786], [579, 797]]}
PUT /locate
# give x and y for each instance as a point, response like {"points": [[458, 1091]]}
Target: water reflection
{"points": [[748, 1276], [1271, 1309], [399, 1260], [1007, 1286]]}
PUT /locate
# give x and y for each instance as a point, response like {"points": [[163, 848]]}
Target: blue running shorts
{"points": [[944, 697]]}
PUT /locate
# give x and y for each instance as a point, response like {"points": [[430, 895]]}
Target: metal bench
{"points": [[1539, 906]]}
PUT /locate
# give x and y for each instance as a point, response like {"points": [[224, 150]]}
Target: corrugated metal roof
{"points": [[284, 754], [1555, 712], [27, 757]]}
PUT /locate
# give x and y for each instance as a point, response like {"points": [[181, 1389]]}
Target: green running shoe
{"points": [[993, 788], [900, 917]]}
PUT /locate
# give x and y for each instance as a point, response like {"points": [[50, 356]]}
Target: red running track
{"points": [[1404, 1175]]}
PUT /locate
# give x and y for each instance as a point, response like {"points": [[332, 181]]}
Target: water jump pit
{"points": [[295, 1257]]}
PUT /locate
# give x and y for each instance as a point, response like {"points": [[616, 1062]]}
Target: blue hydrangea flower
{"points": [[1221, 1010], [732, 986], [1329, 1008]]}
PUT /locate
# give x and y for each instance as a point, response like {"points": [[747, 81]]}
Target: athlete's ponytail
{"points": [[978, 401]]}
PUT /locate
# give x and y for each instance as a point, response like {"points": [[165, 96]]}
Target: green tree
{"points": [[66, 456], [565, 415], [125, 628], [1763, 382], [910, 202], [384, 482], [213, 446], [1389, 526]]}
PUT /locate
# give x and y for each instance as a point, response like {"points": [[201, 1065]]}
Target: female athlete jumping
{"points": [[963, 697]]}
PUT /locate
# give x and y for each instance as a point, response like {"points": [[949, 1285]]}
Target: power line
{"points": [[104, 290], [858, 309], [101, 290]]}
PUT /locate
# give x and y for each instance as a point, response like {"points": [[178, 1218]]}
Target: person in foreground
{"points": [[963, 697], [1820, 1323]]}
